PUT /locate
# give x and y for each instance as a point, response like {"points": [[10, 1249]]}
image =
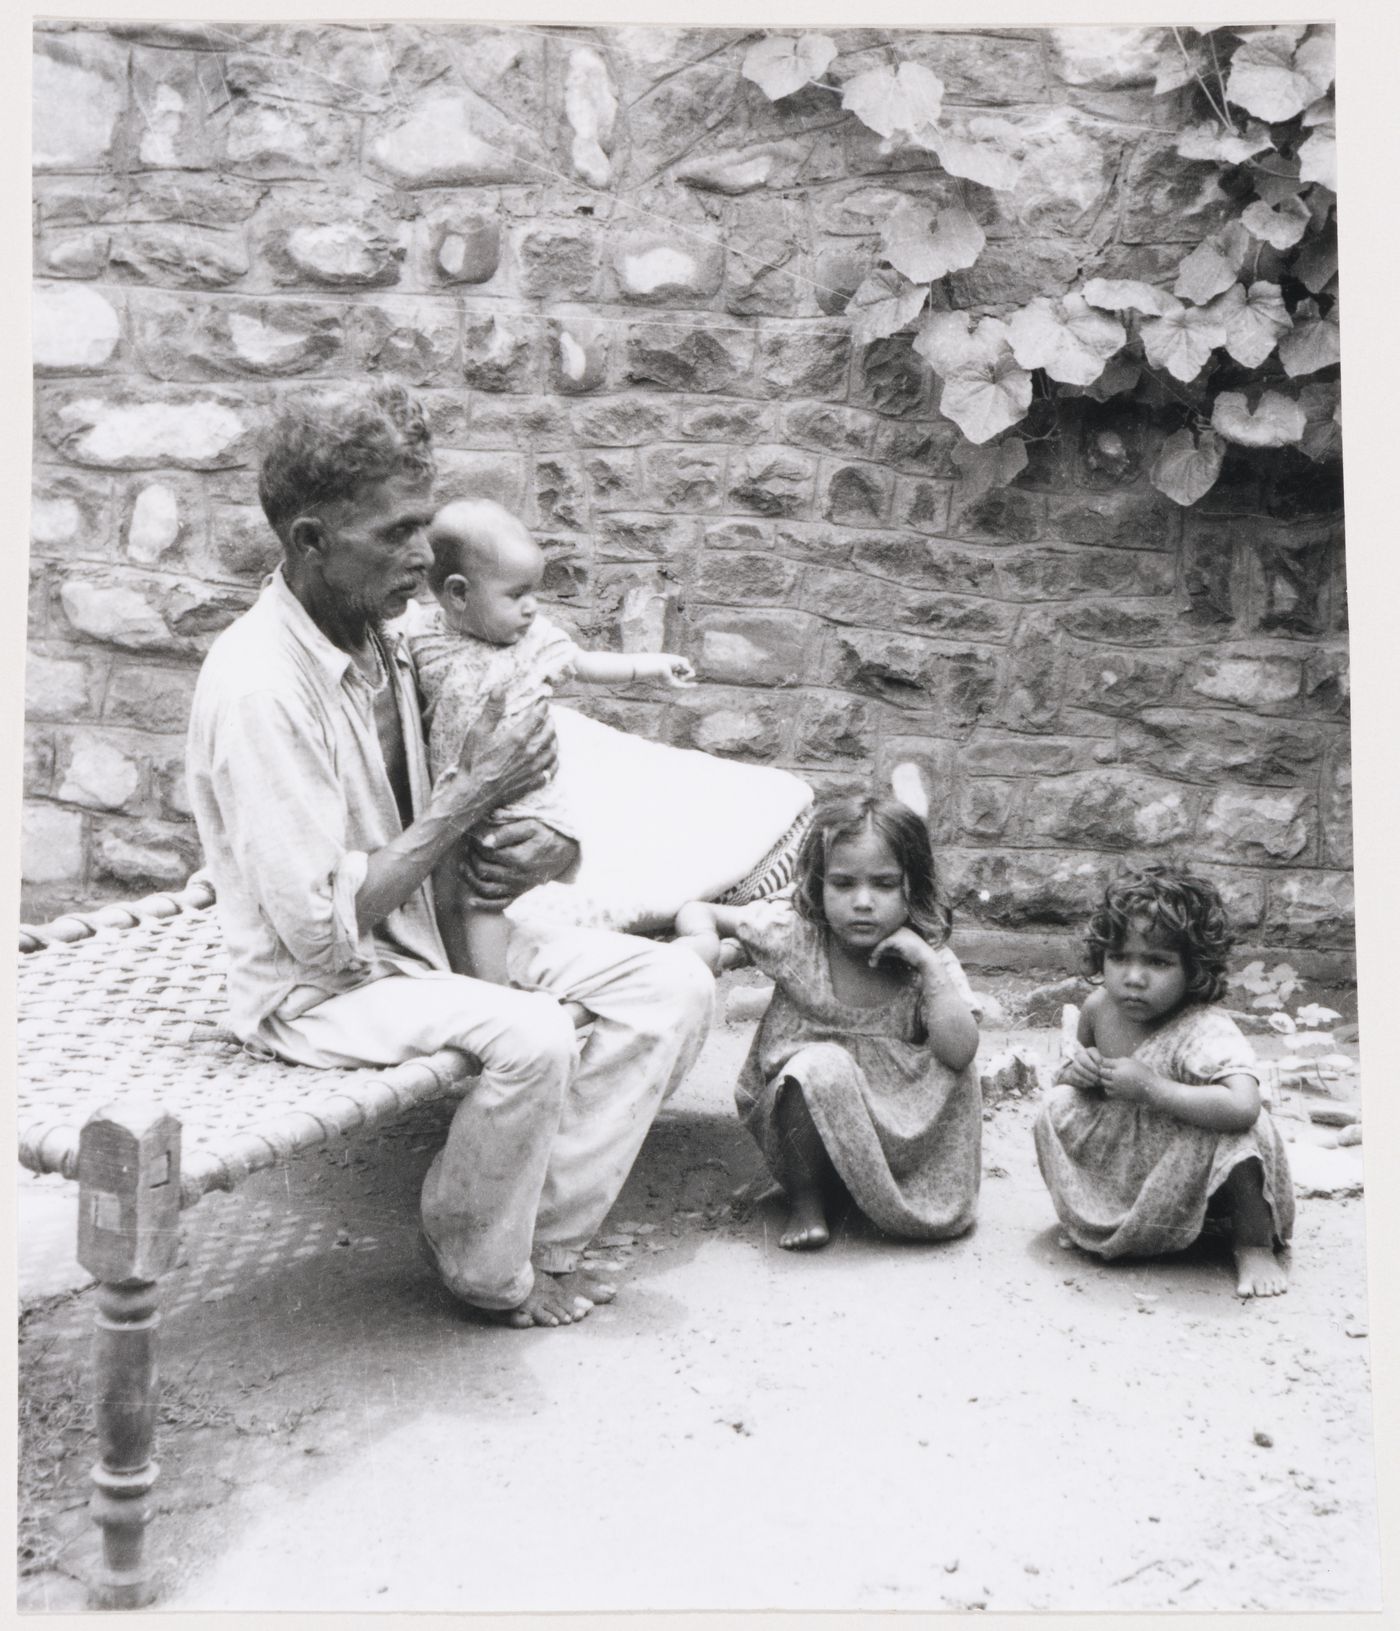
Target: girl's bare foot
{"points": [[1260, 1272], [805, 1229]]}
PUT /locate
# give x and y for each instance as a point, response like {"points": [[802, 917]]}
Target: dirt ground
{"points": [[999, 1422]]}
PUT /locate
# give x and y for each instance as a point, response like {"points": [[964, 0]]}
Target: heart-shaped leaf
{"points": [[1067, 338], [927, 244], [973, 161], [781, 64], [985, 399], [1254, 318], [1316, 341], [1182, 341], [1187, 469], [1121, 374], [1271, 81], [1322, 112], [1322, 407], [950, 340], [895, 101], [996, 465], [1277, 420], [1216, 144], [1316, 262], [882, 305], [1279, 181], [1213, 265], [1125, 294], [1280, 228], [1318, 157]]}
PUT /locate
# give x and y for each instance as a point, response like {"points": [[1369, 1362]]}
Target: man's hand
{"points": [[1083, 1068], [1127, 1080], [498, 863], [499, 762]]}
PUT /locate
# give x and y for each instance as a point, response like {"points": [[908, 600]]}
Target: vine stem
{"points": [[1220, 80], [1217, 110]]}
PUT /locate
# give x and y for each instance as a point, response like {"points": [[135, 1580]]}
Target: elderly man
{"points": [[310, 787]]}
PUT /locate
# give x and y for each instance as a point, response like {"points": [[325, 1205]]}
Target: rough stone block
{"points": [[835, 728], [500, 351], [1260, 827], [99, 773], [578, 355], [614, 479], [920, 447], [453, 138], [510, 423], [623, 421], [150, 698], [1312, 909], [771, 481], [702, 359], [1115, 682], [889, 376], [1294, 579], [1117, 624], [180, 103], [1001, 516], [684, 478], [727, 422], [976, 67], [145, 854], [986, 809], [186, 256], [1249, 681], [667, 268], [770, 277], [1020, 889], [847, 597], [736, 579], [1334, 811], [1034, 692], [837, 273], [79, 95], [1112, 520], [1212, 576], [154, 524], [282, 138], [856, 494], [958, 682], [1170, 199], [412, 340], [824, 428], [925, 563], [1014, 272], [481, 475], [52, 849], [748, 535], [1031, 757], [1063, 574], [57, 687], [177, 338], [72, 254], [40, 757], [467, 248], [561, 498], [557, 261], [813, 541], [1112, 809], [1327, 681], [931, 764], [71, 514], [1069, 162], [646, 537], [1205, 746], [663, 123], [240, 543], [923, 505], [751, 731], [75, 330], [755, 648], [130, 428], [590, 108]]}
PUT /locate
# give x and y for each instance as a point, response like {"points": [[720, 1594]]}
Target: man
{"points": [[309, 782]]}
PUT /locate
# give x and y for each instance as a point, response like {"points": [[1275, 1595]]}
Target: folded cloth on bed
{"points": [[657, 826]]}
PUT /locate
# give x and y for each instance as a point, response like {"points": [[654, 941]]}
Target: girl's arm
{"points": [[1083, 1064], [701, 924], [952, 1031], [1231, 1106], [621, 668]]}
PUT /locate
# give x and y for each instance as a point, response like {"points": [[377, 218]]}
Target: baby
{"points": [[488, 636]]}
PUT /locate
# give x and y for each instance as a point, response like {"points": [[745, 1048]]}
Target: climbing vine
{"points": [[1238, 351]]}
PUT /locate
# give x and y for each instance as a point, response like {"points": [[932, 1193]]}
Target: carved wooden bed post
{"points": [[128, 1235]]}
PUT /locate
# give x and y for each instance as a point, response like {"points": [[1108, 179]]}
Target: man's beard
{"points": [[358, 617]]}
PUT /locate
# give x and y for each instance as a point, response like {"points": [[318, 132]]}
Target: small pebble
{"points": [[342, 1237], [1348, 1137], [1263, 1441]]}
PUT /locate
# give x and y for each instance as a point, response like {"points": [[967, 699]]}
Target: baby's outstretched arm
{"points": [[708, 929], [621, 668]]}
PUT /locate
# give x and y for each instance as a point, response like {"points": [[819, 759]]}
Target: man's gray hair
{"points": [[325, 445]]}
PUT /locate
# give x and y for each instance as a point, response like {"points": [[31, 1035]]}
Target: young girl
{"points": [[1158, 1108], [488, 635], [862, 1066]]}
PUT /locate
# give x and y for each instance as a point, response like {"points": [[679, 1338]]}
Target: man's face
{"points": [[376, 554]]}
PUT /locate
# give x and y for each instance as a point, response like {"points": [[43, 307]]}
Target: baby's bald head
{"points": [[477, 539]]}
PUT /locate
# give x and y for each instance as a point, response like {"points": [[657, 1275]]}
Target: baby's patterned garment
{"points": [[1129, 1180], [456, 675], [903, 1131]]}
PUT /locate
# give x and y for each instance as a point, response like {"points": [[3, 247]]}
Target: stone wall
{"points": [[615, 271]]}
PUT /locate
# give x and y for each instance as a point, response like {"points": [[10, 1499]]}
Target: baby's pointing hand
{"points": [[676, 671]]}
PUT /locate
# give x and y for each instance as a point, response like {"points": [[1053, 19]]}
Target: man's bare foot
{"points": [[550, 1303], [1260, 1272], [805, 1229], [584, 1283]]}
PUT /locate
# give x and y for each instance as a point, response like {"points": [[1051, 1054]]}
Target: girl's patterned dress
{"points": [[1129, 1180], [903, 1131]]}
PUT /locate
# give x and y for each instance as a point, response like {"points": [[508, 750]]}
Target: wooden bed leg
{"points": [[128, 1235]]}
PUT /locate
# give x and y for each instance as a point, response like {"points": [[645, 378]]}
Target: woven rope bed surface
{"points": [[132, 1008], [127, 1003]]}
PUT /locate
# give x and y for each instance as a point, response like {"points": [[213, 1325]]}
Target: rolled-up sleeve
{"points": [[274, 778]]}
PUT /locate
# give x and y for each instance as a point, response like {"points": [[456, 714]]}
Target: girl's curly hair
{"points": [[1184, 912], [325, 445], [904, 834]]}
